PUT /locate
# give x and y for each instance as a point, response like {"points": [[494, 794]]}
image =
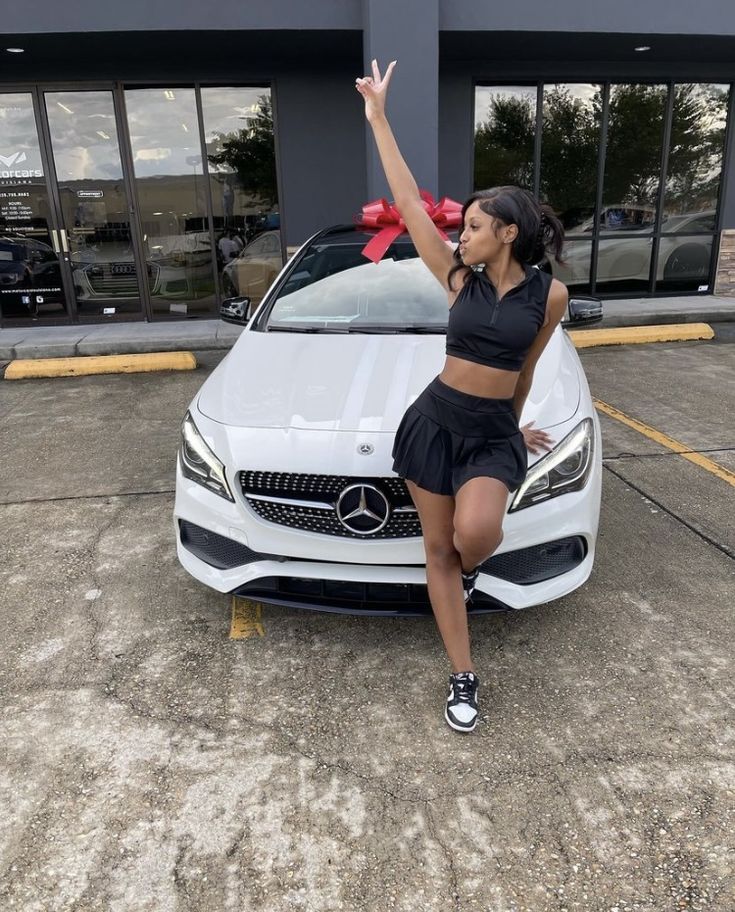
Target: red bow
{"points": [[381, 214]]}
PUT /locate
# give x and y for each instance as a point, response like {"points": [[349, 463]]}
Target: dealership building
{"points": [[157, 158]]}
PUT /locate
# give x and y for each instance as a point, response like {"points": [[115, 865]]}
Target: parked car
{"points": [[253, 270], [284, 487], [681, 258], [178, 267], [30, 277]]}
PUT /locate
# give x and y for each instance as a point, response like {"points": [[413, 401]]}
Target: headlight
{"points": [[566, 468], [198, 462]]}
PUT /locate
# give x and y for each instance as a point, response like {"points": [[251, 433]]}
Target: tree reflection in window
{"points": [[504, 136]]}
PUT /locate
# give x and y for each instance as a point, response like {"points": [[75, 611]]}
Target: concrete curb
{"points": [[23, 369], [630, 335]]}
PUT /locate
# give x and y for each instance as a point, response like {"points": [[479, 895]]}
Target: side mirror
{"points": [[235, 310], [582, 310]]}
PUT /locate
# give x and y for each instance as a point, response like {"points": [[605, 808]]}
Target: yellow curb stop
{"points": [[246, 619], [78, 366], [627, 335]]}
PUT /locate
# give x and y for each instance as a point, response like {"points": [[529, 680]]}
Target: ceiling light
{"points": [[168, 93], [102, 134], [184, 128], [643, 47], [15, 50], [64, 107]]}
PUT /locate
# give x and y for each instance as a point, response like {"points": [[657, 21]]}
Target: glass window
{"points": [[30, 273], [696, 151], [576, 273], [164, 136], [684, 262], [624, 265], [505, 129], [241, 162], [570, 149], [94, 203], [632, 159]]}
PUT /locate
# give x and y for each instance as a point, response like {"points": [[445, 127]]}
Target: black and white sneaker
{"points": [[469, 579], [461, 709]]}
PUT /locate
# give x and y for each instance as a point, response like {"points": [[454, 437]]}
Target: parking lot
{"points": [[154, 761]]}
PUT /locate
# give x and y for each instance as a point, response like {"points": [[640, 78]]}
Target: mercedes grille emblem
{"points": [[363, 509], [365, 449]]}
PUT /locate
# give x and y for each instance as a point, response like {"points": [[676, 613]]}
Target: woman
{"points": [[459, 446]]}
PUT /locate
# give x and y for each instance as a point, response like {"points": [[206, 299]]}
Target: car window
{"points": [[335, 283], [703, 223], [255, 248]]}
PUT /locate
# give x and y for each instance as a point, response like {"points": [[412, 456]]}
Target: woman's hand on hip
{"points": [[374, 89], [535, 438]]}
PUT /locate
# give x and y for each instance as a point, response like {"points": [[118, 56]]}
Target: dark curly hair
{"points": [[538, 227]]}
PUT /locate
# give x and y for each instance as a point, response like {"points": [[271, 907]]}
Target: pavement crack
{"points": [[725, 549], [29, 500], [454, 880], [685, 452]]}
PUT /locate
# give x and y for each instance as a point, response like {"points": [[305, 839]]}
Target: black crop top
{"points": [[497, 333]]}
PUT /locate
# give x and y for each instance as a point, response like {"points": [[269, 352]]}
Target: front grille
{"points": [[308, 502], [218, 550], [109, 284], [539, 562]]}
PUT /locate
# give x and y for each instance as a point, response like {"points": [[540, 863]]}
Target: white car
{"points": [[684, 253], [284, 487]]}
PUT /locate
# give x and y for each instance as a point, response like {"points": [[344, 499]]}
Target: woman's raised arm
{"points": [[429, 244], [373, 89]]}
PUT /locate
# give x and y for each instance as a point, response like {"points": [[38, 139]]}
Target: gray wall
{"points": [[320, 149], [640, 17], [35, 16], [406, 31], [327, 159]]}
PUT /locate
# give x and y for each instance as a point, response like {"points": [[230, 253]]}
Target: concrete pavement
{"points": [[152, 762]]}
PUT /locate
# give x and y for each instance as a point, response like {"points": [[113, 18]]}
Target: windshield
{"points": [[335, 288]]}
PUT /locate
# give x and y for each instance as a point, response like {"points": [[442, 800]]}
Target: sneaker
{"points": [[461, 708], [469, 579]]}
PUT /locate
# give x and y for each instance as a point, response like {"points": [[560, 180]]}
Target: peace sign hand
{"points": [[373, 89]]}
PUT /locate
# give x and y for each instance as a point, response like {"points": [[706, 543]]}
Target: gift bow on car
{"points": [[381, 214]]}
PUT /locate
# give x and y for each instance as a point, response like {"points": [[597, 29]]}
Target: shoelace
{"points": [[463, 687]]}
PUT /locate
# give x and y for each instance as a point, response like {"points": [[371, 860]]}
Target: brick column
{"points": [[725, 272]]}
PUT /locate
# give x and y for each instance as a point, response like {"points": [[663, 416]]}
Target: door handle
{"points": [[64, 241], [55, 241]]}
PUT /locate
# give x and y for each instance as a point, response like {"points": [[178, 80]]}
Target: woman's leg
{"points": [[436, 513], [478, 519]]}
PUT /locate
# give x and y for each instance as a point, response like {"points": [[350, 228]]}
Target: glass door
{"points": [[94, 202], [31, 253]]}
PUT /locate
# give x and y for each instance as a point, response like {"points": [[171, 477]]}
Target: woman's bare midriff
{"points": [[478, 379]]}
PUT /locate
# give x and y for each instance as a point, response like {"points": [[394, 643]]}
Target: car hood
{"points": [[358, 382]]}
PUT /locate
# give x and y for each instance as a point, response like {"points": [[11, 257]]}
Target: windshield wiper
{"points": [[436, 328], [304, 329], [372, 328]]}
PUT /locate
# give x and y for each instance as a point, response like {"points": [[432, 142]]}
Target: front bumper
{"points": [[548, 550]]}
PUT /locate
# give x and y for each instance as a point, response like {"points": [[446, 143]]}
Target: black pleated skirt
{"points": [[447, 437]]}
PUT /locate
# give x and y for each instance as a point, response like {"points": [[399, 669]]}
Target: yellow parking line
{"points": [[680, 449], [246, 619], [81, 365], [627, 335]]}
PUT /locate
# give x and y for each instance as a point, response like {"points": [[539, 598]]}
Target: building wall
{"points": [[327, 161], [320, 151]]}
